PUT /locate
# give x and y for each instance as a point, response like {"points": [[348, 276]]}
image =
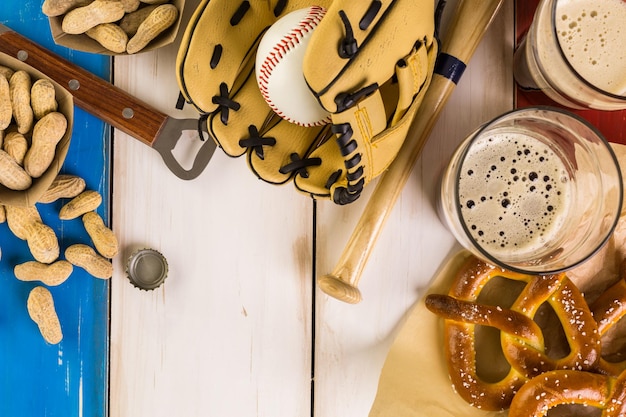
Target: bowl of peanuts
{"points": [[113, 27], [36, 118]]}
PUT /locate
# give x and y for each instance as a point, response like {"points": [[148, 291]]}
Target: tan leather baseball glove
{"points": [[368, 63]]}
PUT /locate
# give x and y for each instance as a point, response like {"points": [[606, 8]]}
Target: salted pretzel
{"points": [[521, 338], [563, 387], [461, 318], [607, 310]]}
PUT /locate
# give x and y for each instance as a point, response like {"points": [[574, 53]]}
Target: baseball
{"points": [[279, 68]]}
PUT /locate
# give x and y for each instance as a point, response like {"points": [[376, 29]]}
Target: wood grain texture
{"points": [[230, 331]]}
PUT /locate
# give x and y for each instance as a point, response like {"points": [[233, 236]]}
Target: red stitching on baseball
{"points": [[282, 47]]}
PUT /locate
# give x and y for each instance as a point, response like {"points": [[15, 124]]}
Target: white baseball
{"points": [[279, 68]]}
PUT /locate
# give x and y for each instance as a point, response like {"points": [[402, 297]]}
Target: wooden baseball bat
{"points": [[466, 29]]}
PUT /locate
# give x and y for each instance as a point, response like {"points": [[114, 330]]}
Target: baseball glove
{"points": [[368, 63]]}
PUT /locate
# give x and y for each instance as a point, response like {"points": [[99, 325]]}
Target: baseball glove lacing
{"points": [[348, 47], [225, 103], [347, 146], [240, 13], [299, 165], [256, 141]]}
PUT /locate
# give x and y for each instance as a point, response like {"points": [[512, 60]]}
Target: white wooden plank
{"points": [[229, 334], [352, 340]]}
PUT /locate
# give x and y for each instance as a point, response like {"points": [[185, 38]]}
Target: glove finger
{"points": [[271, 142], [361, 41], [229, 126], [219, 46], [288, 155]]}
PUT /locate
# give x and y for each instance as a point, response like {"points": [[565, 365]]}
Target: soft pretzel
{"points": [[576, 319], [522, 339], [461, 318], [562, 387], [607, 310], [459, 339]]}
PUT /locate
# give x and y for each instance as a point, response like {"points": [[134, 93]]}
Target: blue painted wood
{"points": [[69, 379]]}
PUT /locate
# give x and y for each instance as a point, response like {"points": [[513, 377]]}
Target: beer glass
{"points": [[537, 190], [574, 53]]}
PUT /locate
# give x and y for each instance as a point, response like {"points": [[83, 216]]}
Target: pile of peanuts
{"points": [[30, 127], [121, 26], [32, 117]]}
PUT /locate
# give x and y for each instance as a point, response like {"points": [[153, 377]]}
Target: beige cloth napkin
{"points": [[414, 379]]}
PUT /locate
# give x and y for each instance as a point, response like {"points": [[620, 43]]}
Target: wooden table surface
{"points": [[239, 328]]}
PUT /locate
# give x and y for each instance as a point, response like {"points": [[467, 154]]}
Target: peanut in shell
{"points": [[41, 310], [6, 109], [47, 133], [43, 98], [12, 175], [16, 145], [63, 186], [81, 19], [19, 88], [110, 36], [52, 274], [156, 23], [102, 237], [85, 257], [84, 202]]}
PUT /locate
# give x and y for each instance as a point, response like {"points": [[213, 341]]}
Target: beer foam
{"points": [[592, 37], [514, 193]]}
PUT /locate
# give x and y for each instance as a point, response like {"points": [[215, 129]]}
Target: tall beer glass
{"points": [[574, 52]]}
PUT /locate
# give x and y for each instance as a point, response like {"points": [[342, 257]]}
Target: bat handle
{"points": [[342, 282]]}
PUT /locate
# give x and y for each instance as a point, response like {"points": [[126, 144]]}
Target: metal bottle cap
{"points": [[147, 269]]}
